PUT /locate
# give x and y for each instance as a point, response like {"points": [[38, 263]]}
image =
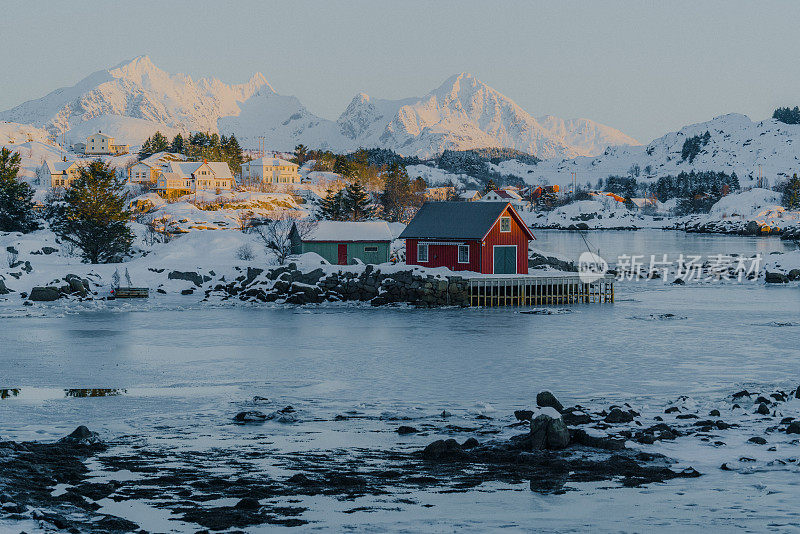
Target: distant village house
{"points": [[100, 144], [179, 178], [505, 195], [270, 171], [60, 173], [438, 194]]}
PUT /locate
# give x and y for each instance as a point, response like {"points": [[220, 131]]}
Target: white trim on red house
{"points": [[427, 253], [458, 254]]}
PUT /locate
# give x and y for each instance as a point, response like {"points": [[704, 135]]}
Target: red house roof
{"points": [[459, 220]]}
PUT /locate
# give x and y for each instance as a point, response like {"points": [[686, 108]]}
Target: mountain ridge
{"points": [[462, 113]]}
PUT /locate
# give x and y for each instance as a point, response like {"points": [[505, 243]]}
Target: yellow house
{"points": [[440, 193], [184, 177], [270, 171], [61, 173], [102, 144], [148, 170]]}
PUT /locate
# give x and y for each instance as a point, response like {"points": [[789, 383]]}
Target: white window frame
{"points": [[516, 256], [371, 248], [420, 248], [505, 219], [459, 253]]}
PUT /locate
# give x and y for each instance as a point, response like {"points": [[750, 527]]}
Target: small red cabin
{"points": [[485, 237]]}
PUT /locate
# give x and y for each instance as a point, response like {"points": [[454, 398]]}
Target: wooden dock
{"points": [[132, 292], [537, 290]]}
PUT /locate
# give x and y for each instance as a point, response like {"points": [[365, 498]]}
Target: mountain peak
{"points": [[136, 69]]}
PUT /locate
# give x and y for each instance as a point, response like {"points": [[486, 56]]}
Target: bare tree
{"points": [[244, 220], [277, 234]]}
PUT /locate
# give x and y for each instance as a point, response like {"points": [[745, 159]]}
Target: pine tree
{"points": [[147, 149], [94, 217], [159, 143], [357, 205], [177, 144], [397, 197], [343, 166], [791, 194], [490, 186], [331, 207], [16, 197], [233, 154], [300, 154]]}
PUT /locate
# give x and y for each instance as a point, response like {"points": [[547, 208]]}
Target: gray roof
{"points": [[453, 220]]}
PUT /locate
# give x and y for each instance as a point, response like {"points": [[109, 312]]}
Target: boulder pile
{"points": [[289, 284]]}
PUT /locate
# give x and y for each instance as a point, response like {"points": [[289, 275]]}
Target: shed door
{"points": [[342, 254], [505, 259]]}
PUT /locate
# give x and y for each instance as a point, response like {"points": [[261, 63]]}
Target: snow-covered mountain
{"points": [[136, 89], [465, 113], [135, 98], [735, 143]]}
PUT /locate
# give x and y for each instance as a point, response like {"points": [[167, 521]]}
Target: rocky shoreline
{"points": [[550, 448]]}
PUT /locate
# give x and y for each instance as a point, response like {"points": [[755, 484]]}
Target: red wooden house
{"points": [[485, 237]]}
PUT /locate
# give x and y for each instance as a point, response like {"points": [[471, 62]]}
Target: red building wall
{"points": [[481, 257], [516, 236], [445, 255]]}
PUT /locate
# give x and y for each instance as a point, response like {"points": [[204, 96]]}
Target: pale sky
{"points": [[645, 68]]}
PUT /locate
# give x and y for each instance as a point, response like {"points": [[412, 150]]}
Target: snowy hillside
{"points": [[735, 143], [135, 98]]}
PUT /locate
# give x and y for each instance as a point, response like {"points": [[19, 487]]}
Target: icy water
{"points": [[181, 373], [613, 244]]}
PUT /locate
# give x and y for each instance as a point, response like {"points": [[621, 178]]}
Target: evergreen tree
{"points": [[787, 115], [490, 186], [147, 149], [93, 216], [357, 205], [159, 143], [16, 197], [177, 144], [233, 154], [342, 166], [331, 207], [398, 197], [791, 193], [300, 154]]}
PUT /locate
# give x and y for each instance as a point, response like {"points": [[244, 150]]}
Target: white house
{"points": [[60, 173], [182, 177], [270, 171], [470, 195], [99, 144], [504, 195]]}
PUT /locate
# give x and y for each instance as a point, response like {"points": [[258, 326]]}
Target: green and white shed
{"points": [[341, 242]]}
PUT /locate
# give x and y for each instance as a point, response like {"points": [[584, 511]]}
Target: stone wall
{"points": [[290, 285]]}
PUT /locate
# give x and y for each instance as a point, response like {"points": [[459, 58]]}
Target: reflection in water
{"points": [[97, 392], [6, 393]]}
